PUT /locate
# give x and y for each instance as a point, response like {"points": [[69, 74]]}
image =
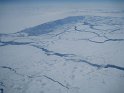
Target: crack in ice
{"points": [[2, 84], [48, 52], [14, 43], [107, 40], [56, 81], [13, 70], [98, 65]]}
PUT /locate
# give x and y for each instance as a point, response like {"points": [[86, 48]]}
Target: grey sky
{"points": [[62, 0]]}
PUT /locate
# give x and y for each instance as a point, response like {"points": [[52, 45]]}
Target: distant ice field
{"points": [[18, 16]]}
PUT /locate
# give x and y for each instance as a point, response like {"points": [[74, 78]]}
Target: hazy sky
{"points": [[62, 0]]}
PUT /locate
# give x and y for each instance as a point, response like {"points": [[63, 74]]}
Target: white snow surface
{"points": [[76, 54]]}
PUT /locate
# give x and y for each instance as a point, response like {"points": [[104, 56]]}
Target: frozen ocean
{"points": [[61, 47]]}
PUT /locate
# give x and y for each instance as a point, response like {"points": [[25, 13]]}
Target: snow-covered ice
{"points": [[76, 54]]}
